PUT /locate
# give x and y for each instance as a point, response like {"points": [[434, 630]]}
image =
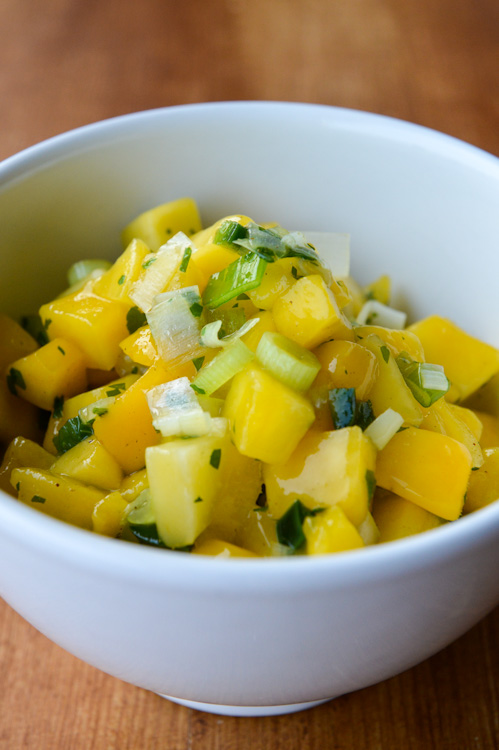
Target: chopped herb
{"points": [[290, 526], [121, 279], [15, 380], [18, 486], [58, 404], [364, 414], [475, 468], [261, 500], [196, 309], [149, 262], [71, 433], [135, 319], [192, 231], [198, 362], [236, 305], [38, 499], [134, 370], [228, 231], [116, 389], [242, 296], [342, 405], [197, 389], [35, 327], [99, 410], [427, 382], [240, 276], [275, 243], [198, 500], [185, 259], [61, 350], [215, 458], [168, 230], [385, 352], [371, 484]]}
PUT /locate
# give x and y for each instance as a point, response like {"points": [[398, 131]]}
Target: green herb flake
{"points": [[135, 319], [58, 404], [364, 414], [197, 389], [385, 353], [149, 262], [18, 486], [15, 380], [71, 433], [290, 526], [62, 351], [121, 280], [475, 468], [215, 458], [242, 296], [38, 499], [198, 362], [134, 370], [198, 500], [99, 410], [371, 484], [196, 309], [342, 405], [185, 259], [36, 328], [116, 389]]}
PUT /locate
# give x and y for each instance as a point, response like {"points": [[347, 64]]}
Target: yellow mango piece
{"points": [[345, 364], [107, 515], [17, 417], [309, 314], [53, 371], [356, 294], [397, 518], [470, 419], [265, 323], [20, 453], [486, 398], [380, 290], [267, 418], [56, 496], [116, 283], [127, 430], [490, 430], [15, 342], [259, 534], [89, 462], [277, 279], [389, 390], [94, 324], [185, 479], [341, 293], [158, 225], [191, 276], [327, 468], [483, 487], [445, 418], [140, 347], [219, 548], [329, 532], [206, 236], [133, 485], [396, 340], [430, 469], [468, 362], [211, 258]]}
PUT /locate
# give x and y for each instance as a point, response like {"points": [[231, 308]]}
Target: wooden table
{"points": [[64, 63]]}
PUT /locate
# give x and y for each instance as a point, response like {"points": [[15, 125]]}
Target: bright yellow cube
{"points": [[396, 340], [449, 419], [277, 279], [57, 496], [158, 225], [116, 283], [327, 468], [94, 324], [329, 532], [265, 323], [430, 469], [397, 518], [20, 453], [468, 362], [267, 418], [309, 314], [380, 290], [133, 485], [490, 430], [345, 364], [56, 370], [140, 347], [259, 534], [15, 342], [483, 487], [107, 515], [89, 462]]}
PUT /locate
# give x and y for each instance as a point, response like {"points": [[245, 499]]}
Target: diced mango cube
{"points": [[15, 342], [265, 323], [430, 469], [445, 418], [277, 279], [56, 370], [89, 462], [267, 418], [327, 468], [483, 487], [468, 362], [309, 314], [329, 532], [259, 534], [115, 284], [56, 496], [490, 430], [20, 453], [107, 515], [397, 518], [140, 347], [380, 290], [345, 364], [396, 340], [94, 324], [133, 485], [158, 225]]}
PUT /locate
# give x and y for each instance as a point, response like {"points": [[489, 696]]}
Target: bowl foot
{"points": [[214, 708]]}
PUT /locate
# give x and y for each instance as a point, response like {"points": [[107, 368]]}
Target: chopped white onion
{"points": [[384, 428], [175, 410], [159, 269], [378, 314], [174, 321]]}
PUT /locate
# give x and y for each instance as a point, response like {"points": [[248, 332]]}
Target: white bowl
{"points": [[253, 637]]}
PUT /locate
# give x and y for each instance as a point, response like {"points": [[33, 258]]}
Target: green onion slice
{"points": [[427, 382], [384, 428], [228, 231], [287, 361], [376, 313], [209, 333], [241, 275], [231, 360]]}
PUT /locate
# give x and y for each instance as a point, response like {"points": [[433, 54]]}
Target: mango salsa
{"points": [[216, 390]]}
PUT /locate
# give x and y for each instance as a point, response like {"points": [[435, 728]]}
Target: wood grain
{"points": [[65, 63]]}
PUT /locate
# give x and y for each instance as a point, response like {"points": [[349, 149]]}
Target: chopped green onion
{"points": [[287, 361], [209, 333], [174, 327], [222, 368], [185, 259], [58, 406], [215, 458], [175, 410], [115, 389], [376, 313], [228, 231], [275, 243], [35, 327], [241, 275], [15, 380], [385, 353], [80, 270], [38, 499], [157, 275], [384, 428], [71, 433], [135, 319], [290, 526], [418, 374], [121, 280], [342, 403], [198, 362], [371, 484]]}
